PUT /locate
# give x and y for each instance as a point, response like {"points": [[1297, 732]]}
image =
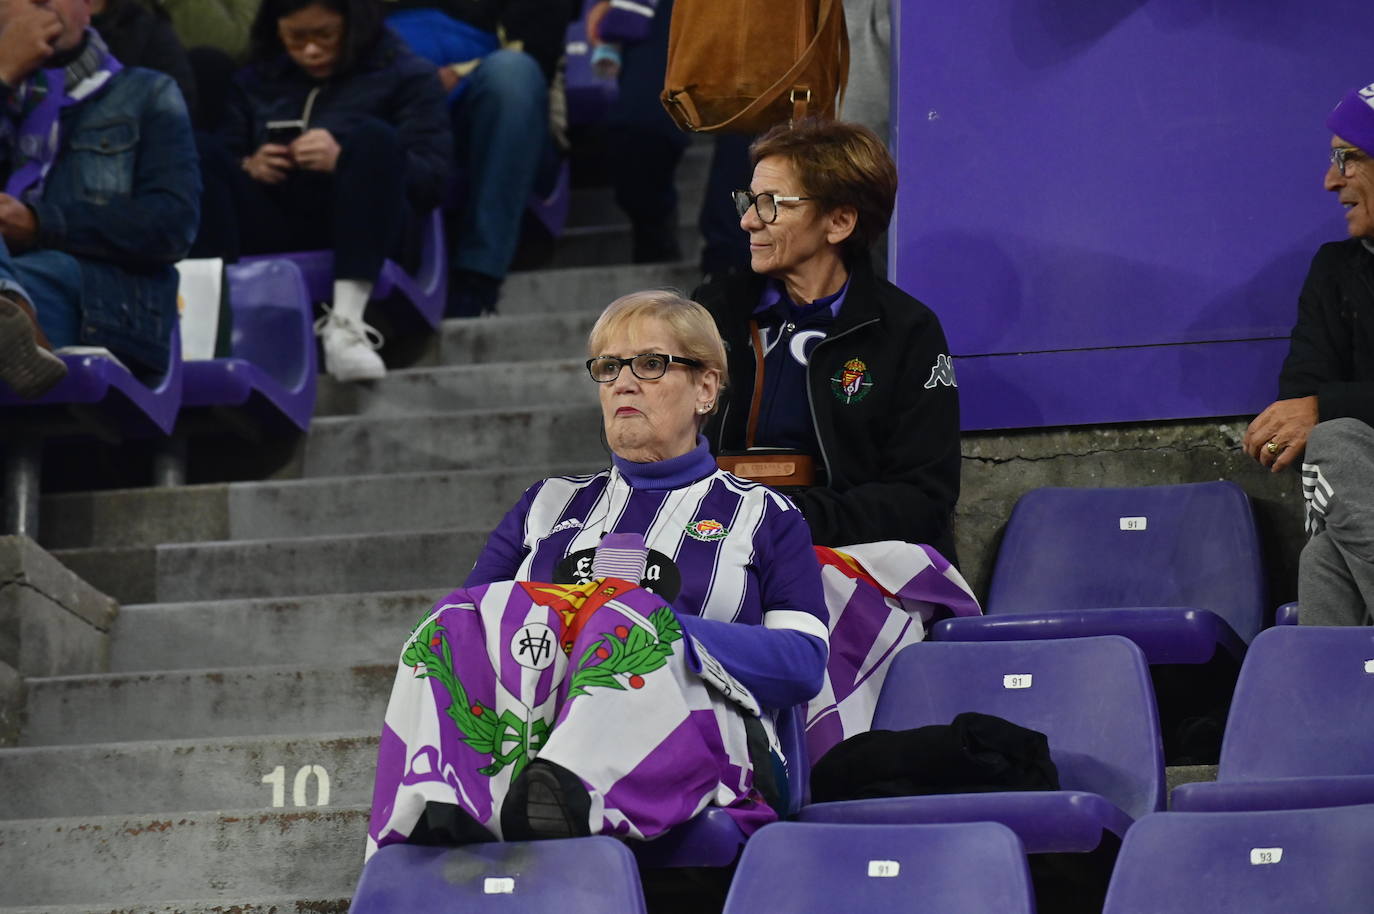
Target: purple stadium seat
{"points": [[98, 398], [414, 301], [574, 876], [1301, 729], [1091, 697], [713, 838], [1177, 569], [962, 868], [1287, 614], [1277, 862], [270, 378]]}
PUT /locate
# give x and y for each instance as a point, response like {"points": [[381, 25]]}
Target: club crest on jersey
{"points": [[707, 530], [852, 382]]}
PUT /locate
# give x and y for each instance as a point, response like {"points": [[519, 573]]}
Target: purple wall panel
{"points": [[1089, 386], [1082, 176]]}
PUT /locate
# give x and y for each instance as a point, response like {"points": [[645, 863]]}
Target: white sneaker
{"points": [[350, 348]]}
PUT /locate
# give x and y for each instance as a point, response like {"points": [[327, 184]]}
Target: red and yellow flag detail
{"points": [[575, 603], [848, 566]]}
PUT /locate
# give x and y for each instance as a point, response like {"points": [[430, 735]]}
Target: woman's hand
{"points": [[316, 150], [269, 164]]}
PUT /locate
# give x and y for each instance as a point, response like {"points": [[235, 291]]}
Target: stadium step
{"points": [[296, 699], [358, 628], [118, 862], [587, 245], [499, 385], [358, 563], [161, 776], [332, 505], [589, 289], [462, 440]]}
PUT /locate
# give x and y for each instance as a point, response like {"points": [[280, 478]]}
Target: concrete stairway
{"points": [[224, 763]]}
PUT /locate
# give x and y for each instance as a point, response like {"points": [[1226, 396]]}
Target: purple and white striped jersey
{"points": [[721, 547]]}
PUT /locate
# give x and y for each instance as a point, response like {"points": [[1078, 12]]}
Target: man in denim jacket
{"points": [[101, 197]]}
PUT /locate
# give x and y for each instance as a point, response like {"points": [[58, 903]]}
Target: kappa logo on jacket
{"points": [[942, 372]]}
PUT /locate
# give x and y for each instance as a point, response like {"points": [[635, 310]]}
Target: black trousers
{"points": [[359, 211]]}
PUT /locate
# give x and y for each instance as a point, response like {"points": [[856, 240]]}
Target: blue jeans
{"points": [[500, 115], [501, 129]]}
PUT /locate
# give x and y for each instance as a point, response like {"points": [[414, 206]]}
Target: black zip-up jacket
{"points": [[888, 428], [1331, 351], [389, 83]]}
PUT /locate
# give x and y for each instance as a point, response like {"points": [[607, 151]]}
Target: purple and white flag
{"points": [[880, 597], [598, 677]]}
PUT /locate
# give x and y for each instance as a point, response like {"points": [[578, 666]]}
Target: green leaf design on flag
{"points": [[627, 659], [483, 730]]}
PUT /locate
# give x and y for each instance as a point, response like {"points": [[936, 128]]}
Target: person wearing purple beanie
{"points": [[1324, 417]]}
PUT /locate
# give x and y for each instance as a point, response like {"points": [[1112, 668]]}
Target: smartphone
{"points": [[283, 132]]}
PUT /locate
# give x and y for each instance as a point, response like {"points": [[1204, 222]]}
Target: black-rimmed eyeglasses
{"points": [[647, 366], [1342, 156], [765, 204]]}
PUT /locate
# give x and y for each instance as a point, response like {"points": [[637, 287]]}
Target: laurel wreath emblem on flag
{"points": [[625, 655], [485, 731]]}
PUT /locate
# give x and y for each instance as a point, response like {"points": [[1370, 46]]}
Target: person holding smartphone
{"points": [[342, 141]]}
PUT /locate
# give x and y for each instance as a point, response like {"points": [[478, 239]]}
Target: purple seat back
{"points": [[125, 406], [422, 295], [1303, 706], [272, 323], [957, 868], [270, 376], [1091, 697], [1191, 545], [1276, 862], [573, 876]]}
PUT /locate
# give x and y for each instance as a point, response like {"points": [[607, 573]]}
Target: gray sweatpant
{"points": [[1336, 569]]}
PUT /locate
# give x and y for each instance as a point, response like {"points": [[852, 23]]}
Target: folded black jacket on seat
{"points": [[974, 753]]}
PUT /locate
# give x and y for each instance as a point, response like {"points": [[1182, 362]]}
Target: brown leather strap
{"points": [[758, 384]]}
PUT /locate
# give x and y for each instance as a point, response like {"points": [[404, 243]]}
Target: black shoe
{"points": [[472, 294], [546, 801]]}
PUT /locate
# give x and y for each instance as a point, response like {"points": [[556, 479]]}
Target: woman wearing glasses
{"points": [[623, 709], [830, 360], [342, 139]]}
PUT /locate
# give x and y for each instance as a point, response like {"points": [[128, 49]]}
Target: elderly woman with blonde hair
{"points": [[678, 609]]}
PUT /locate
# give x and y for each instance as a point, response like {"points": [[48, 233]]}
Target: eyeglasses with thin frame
{"points": [[647, 366], [1341, 156], [765, 204]]}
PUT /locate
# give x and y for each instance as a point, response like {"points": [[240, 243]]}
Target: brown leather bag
{"points": [[768, 465], [743, 66]]}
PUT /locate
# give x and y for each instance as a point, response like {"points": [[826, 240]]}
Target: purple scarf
{"points": [[31, 125]]}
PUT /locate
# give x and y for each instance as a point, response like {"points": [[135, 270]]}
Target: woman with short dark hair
{"points": [[342, 140], [855, 373]]}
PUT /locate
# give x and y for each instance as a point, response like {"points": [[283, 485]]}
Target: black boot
{"points": [[546, 801]]}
